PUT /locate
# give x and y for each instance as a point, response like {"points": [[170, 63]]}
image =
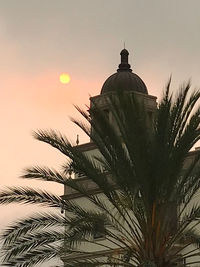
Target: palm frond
{"points": [[37, 222], [44, 174], [25, 195]]}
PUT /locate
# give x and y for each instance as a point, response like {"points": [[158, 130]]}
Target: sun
{"points": [[65, 78]]}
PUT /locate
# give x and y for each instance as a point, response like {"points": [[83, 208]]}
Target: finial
{"points": [[124, 65], [124, 45], [77, 139]]}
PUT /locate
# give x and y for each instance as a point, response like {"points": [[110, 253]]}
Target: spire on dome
{"points": [[124, 66]]}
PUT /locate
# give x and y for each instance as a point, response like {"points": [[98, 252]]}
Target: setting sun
{"points": [[64, 78]]}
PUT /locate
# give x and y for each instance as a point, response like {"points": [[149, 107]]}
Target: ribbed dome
{"points": [[124, 78]]}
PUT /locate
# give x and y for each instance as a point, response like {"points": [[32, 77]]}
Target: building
{"points": [[126, 80]]}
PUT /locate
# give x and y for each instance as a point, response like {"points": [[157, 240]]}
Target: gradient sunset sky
{"points": [[40, 39]]}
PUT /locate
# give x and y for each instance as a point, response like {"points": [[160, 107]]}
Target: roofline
{"points": [[86, 146], [135, 92]]}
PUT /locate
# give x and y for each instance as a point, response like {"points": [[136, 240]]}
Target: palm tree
{"points": [[146, 208]]}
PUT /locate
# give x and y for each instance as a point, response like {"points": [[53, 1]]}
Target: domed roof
{"points": [[124, 78]]}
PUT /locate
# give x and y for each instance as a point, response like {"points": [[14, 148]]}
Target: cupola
{"points": [[124, 78]]}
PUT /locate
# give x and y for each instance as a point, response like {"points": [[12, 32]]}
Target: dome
{"points": [[124, 78]]}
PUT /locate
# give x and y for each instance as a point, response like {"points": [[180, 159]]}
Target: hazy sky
{"points": [[40, 39]]}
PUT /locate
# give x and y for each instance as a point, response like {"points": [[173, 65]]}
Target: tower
{"points": [[126, 80]]}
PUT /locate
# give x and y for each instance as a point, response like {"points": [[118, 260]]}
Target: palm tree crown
{"points": [[144, 207]]}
